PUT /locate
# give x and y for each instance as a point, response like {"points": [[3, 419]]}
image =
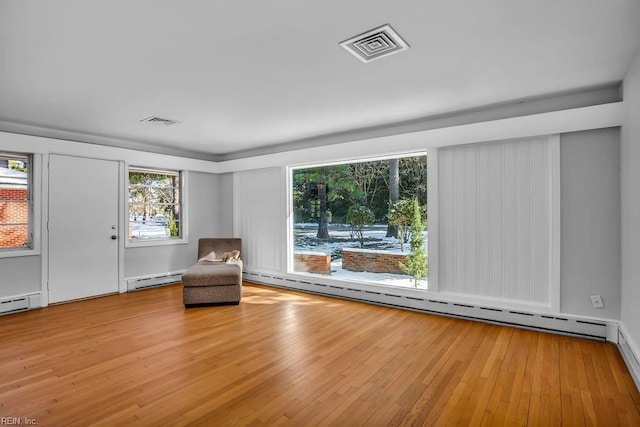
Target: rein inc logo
{"points": [[17, 421]]}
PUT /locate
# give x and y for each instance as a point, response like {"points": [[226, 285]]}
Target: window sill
{"points": [[14, 253], [159, 242]]}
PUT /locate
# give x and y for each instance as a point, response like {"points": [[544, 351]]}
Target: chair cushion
{"points": [[213, 273]]}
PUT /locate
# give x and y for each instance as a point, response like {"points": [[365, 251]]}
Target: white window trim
{"points": [[35, 222], [432, 224], [184, 222]]}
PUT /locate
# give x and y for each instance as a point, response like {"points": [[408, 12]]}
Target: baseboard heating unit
{"points": [[19, 303], [630, 358], [152, 281], [426, 303]]}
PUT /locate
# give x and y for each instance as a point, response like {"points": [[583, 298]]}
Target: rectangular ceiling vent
{"points": [[374, 44], [159, 121]]}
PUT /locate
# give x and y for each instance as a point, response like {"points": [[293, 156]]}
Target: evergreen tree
{"points": [[417, 261]]}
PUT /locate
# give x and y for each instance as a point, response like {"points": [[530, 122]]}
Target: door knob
{"points": [[114, 237]]}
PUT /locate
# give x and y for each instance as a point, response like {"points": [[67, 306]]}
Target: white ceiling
{"points": [[248, 74]]}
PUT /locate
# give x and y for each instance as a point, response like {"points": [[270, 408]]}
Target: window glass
{"points": [[363, 221], [15, 201], [154, 204]]}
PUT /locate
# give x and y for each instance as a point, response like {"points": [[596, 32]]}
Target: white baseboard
{"points": [[416, 300], [630, 354]]}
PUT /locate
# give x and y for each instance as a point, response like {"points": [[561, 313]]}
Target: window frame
{"points": [[431, 247], [183, 203], [33, 196]]}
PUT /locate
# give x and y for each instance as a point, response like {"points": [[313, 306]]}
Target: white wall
{"points": [[630, 202], [19, 275], [590, 176], [226, 205]]}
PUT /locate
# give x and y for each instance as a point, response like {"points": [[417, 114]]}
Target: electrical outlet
{"points": [[596, 301]]}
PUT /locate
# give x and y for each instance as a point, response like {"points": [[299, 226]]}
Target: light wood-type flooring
{"points": [[289, 358]]}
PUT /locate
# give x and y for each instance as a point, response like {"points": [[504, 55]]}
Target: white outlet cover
{"points": [[596, 301]]}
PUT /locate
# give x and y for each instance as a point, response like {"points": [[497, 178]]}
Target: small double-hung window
{"points": [[16, 206], [155, 205]]}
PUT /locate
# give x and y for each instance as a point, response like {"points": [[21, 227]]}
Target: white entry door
{"points": [[83, 227]]}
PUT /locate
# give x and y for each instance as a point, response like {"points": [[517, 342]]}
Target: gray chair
{"points": [[212, 281]]}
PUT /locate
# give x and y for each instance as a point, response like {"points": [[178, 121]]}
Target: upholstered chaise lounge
{"points": [[211, 280]]}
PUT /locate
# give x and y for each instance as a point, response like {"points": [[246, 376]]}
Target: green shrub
{"points": [[357, 217], [400, 215], [417, 262]]}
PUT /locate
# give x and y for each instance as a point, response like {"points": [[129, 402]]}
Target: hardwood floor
{"points": [[288, 358]]}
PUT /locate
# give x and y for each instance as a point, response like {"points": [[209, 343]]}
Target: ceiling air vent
{"points": [[374, 44], [159, 121]]}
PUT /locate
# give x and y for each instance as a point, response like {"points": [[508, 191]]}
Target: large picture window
{"points": [[155, 205], [15, 202], [362, 221]]}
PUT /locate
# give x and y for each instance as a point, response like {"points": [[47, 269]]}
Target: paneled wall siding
{"points": [[496, 214], [259, 218]]}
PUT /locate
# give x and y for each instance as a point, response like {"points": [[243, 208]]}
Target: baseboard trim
{"points": [[630, 354], [426, 302]]}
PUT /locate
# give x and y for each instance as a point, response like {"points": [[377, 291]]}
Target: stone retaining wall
{"points": [[373, 261], [312, 262]]}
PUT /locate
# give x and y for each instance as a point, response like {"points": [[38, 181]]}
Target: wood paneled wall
{"points": [[259, 218], [499, 219]]}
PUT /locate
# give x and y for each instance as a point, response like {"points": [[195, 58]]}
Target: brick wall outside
{"points": [[12, 212], [13, 194], [312, 262], [372, 261]]}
